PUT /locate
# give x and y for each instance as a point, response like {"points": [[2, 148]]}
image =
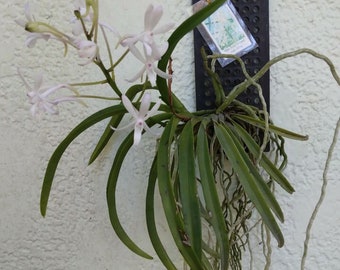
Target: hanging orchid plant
{"points": [[210, 166]]}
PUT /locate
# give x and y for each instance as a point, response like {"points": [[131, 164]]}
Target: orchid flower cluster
{"points": [[83, 38]]}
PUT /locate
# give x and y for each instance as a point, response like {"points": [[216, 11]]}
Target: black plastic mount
{"points": [[255, 14]]}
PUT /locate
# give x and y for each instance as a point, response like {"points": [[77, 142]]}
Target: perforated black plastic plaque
{"points": [[255, 14]]}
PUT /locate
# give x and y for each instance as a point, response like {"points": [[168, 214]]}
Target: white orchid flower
{"points": [[152, 16], [86, 49], [39, 96], [150, 66], [32, 37], [38, 30], [140, 116]]}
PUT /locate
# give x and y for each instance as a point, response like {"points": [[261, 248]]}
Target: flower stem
{"points": [[96, 97], [109, 79], [118, 61], [88, 83]]}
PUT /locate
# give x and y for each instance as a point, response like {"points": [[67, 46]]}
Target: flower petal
{"points": [[32, 38], [28, 13], [77, 28], [152, 16], [163, 29], [137, 135], [148, 129], [51, 90], [21, 22], [153, 110], [38, 81], [158, 51], [28, 87], [145, 105], [162, 74], [123, 127], [148, 49], [49, 108], [138, 75], [151, 75], [129, 107], [137, 53]]}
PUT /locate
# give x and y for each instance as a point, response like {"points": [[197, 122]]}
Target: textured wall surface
{"points": [[76, 233]]}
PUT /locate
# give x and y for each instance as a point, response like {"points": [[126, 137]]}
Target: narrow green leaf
{"points": [[210, 251], [150, 219], [57, 154], [245, 171], [188, 188], [106, 136], [175, 222], [270, 168], [272, 128], [112, 184], [187, 26], [261, 183], [111, 196], [211, 196]]}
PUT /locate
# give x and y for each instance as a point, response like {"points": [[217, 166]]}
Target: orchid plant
{"points": [[215, 180]]}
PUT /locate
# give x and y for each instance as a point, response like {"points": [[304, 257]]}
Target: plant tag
{"points": [[225, 32]]}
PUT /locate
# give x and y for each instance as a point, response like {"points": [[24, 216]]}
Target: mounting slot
{"points": [[255, 14]]}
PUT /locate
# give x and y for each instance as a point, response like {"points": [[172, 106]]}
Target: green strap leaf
{"points": [[150, 219], [111, 196], [188, 188], [57, 154], [261, 183], [106, 136], [256, 189], [175, 222], [211, 196], [187, 26], [270, 168], [112, 184], [272, 128]]}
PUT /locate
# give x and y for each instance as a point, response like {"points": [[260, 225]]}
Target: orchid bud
{"points": [[33, 27]]}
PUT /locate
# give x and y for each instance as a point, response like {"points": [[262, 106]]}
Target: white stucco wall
{"points": [[76, 234]]}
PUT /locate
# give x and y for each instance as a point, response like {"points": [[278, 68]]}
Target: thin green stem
{"points": [[118, 61], [108, 49], [96, 97], [88, 83], [80, 18], [107, 74], [94, 29], [49, 29]]}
